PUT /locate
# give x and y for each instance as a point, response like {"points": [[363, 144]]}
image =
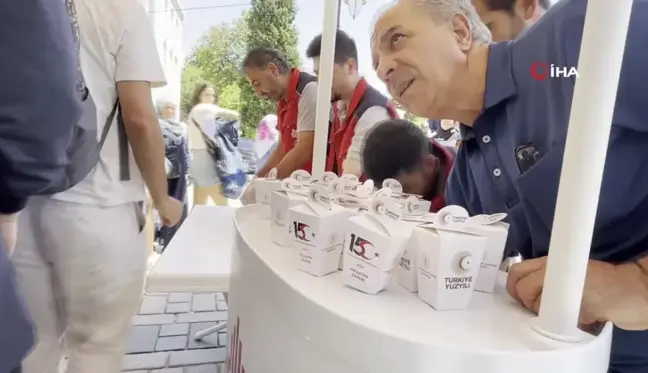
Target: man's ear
{"points": [[462, 32], [352, 65], [273, 69], [526, 9]]}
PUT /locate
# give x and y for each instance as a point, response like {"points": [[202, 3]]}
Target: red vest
{"points": [[341, 134], [287, 110], [446, 158]]}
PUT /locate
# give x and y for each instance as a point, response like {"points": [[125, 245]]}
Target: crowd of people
{"points": [[86, 156]]}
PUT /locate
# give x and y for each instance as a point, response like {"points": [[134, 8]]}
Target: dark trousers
{"points": [[17, 370], [177, 188]]}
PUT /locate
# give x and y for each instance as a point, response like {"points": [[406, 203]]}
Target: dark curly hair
{"points": [[200, 88]]}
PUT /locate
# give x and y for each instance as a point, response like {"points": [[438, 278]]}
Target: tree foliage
{"points": [[269, 23], [409, 116], [217, 59]]}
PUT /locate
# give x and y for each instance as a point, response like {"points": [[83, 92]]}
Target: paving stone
{"points": [[168, 370], [170, 330], [211, 368], [209, 341], [178, 308], [180, 297], [204, 302], [153, 319], [171, 343], [155, 360], [222, 340], [196, 357], [152, 305], [201, 316], [221, 305], [143, 339]]}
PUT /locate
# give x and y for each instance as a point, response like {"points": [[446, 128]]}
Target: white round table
{"points": [[282, 320]]}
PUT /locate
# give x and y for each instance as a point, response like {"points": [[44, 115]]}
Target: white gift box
{"points": [[263, 188], [447, 266], [318, 228], [496, 232], [374, 243], [489, 226], [293, 193], [406, 272]]}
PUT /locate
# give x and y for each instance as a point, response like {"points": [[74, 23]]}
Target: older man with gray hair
{"points": [[436, 59]]}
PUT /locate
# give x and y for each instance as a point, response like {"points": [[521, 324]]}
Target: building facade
{"points": [[167, 18]]}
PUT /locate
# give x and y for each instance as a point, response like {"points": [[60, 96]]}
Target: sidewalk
{"points": [[162, 340]]}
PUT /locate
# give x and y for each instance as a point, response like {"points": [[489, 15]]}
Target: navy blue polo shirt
{"points": [[510, 160]]}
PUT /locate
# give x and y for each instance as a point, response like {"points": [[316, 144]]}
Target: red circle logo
{"points": [[539, 71]]}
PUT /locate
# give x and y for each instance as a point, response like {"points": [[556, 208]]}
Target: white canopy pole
{"points": [[601, 53], [324, 83]]}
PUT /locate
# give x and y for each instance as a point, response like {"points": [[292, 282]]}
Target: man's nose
{"points": [[258, 91], [384, 69]]}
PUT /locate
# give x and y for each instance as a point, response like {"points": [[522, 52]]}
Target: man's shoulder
{"points": [[106, 19], [113, 7], [374, 114], [308, 94]]}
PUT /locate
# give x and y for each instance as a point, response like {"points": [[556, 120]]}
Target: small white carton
{"points": [[374, 243], [263, 188], [406, 272], [496, 232], [448, 264], [447, 261], [492, 228], [293, 193], [318, 228]]}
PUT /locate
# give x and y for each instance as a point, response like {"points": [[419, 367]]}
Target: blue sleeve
{"points": [[453, 193], [39, 102]]}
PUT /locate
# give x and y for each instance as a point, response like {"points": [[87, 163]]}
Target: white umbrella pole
{"points": [[324, 87], [601, 53]]}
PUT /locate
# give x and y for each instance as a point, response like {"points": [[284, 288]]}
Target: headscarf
{"points": [[173, 131]]}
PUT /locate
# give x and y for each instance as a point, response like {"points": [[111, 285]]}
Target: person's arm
{"points": [[353, 162], [186, 152], [275, 157], [39, 100], [138, 69], [302, 152]]}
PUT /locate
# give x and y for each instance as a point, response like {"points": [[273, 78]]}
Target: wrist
{"points": [[159, 200]]}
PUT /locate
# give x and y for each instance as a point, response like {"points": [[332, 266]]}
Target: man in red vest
{"points": [[398, 149], [295, 92], [357, 106]]}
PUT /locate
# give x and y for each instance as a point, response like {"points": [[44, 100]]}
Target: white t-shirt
{"points": [[372, 116], [117, 44]]}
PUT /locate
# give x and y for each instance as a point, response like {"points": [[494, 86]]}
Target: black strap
{"points": [[210, 144], [122, 140]]}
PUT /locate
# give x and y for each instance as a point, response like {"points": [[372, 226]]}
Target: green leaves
{"points": [[217, 58], [269, 23]]}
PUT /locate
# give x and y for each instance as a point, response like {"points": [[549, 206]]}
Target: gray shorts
{"points": [[203, 168]]}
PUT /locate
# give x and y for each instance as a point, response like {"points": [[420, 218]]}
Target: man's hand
{"points": [[611, 293], [9, 230], [170, 211]]}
